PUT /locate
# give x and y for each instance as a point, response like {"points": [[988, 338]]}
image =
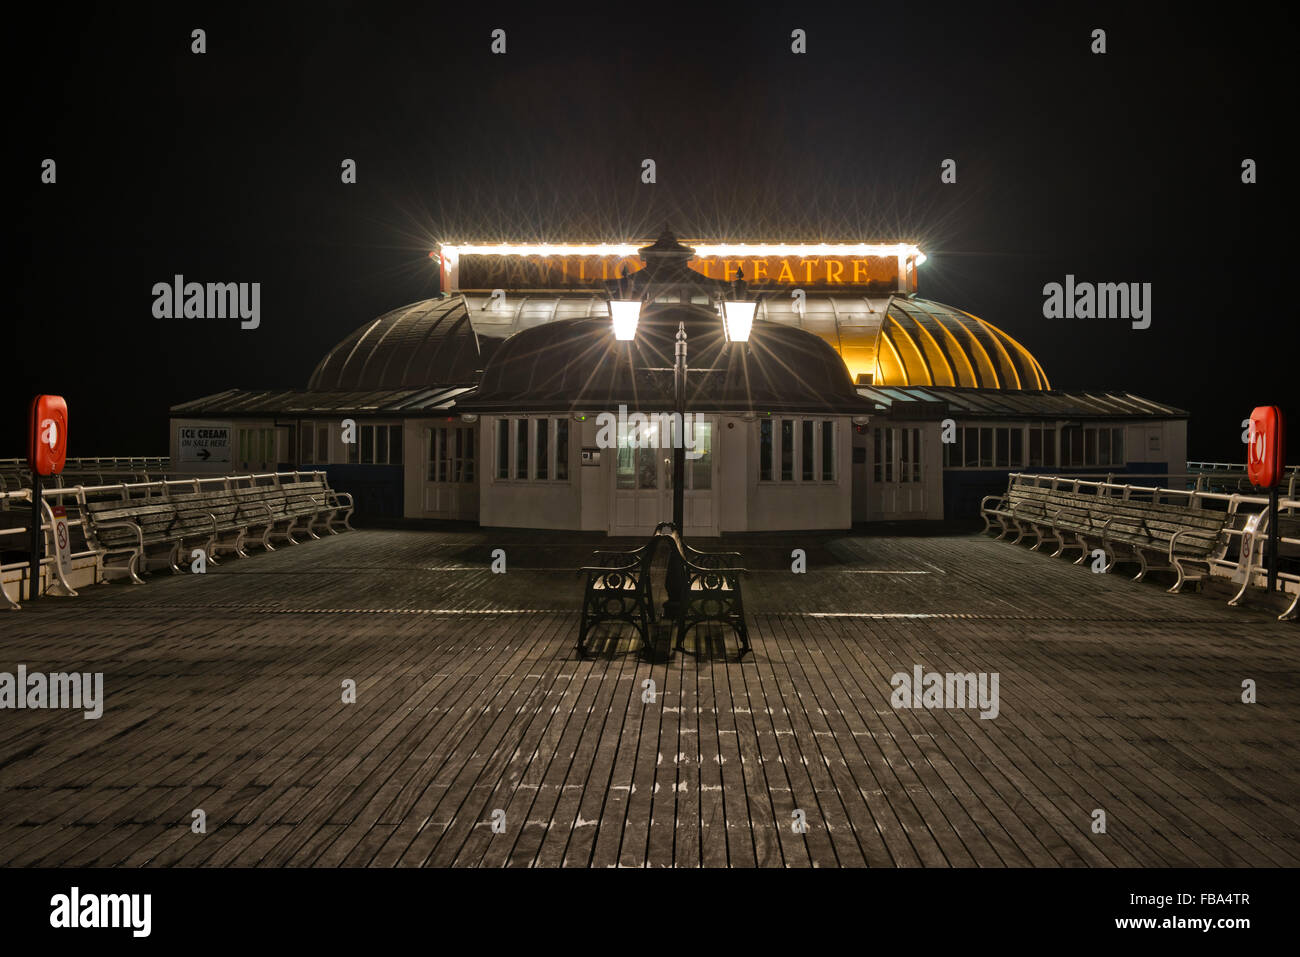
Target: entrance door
{"points": [[451, 480], [642, 496], [898, 478]]}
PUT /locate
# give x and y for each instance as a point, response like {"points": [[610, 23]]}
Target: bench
{"points": [[166, 524], [1252, 565], [1154, 535], [708, 588], [618, 588]]}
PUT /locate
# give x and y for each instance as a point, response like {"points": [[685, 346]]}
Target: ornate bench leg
{"points": [[1142, 560]]}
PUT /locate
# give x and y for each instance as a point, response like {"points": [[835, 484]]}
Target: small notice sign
{"points": [[203, 443]]}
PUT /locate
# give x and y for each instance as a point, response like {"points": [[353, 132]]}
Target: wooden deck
{"points": [[223, 693]]}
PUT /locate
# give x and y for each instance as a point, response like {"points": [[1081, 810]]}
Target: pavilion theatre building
{"points": [[510, 400]]}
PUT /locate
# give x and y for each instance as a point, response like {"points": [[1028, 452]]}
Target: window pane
{"points": [[624, 473], [1103, 446], [381, 445], [368, 445], [1035, 447], [1017, 447], [521, 448], [890, 454], [1004, 448], [471, 440], [1117, 446], [503, 448], [806, 450], [561, 449], [787, 450], [916, 455], [986, 447], [433, 454], [1090, 447], [395, 444], [543, 460], [972, 447], [1075, 445], [878, 462], [765, 450], [307, 434], [647, 468], [1049, 448], [828, 451], [700, 470], [354, 449]]}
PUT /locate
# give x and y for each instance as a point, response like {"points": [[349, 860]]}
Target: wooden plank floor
{"points": [[478, 738]]}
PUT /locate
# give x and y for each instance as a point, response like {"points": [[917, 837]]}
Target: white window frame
{"points": [[796, 459]]}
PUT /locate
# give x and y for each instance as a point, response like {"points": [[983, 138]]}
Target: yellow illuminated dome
{"points": [[905, 340]]}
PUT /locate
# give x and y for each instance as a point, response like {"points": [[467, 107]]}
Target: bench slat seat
{"points": [[1155, 535]]}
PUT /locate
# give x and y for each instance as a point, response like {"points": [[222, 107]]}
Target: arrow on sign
{"points": [[205, 454]]}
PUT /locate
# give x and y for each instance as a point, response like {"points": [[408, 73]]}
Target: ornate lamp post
{"points": [[666, 268]]}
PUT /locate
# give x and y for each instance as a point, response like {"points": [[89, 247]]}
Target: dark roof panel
{"points": [[1029, 403]]}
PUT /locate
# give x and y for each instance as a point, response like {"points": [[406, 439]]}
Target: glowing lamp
{"points": [[737, 319], [624, 314]]}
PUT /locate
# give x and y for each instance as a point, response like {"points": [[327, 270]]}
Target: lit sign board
{"points": [[824, 266]]}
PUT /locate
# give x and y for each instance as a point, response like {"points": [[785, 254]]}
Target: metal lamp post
{"points": [[737, 314]]}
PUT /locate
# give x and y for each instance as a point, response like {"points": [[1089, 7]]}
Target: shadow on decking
{"points": [[704, 644]]}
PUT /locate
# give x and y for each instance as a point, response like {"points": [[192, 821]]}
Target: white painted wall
{"points": [[778, 506], [510, 503]]}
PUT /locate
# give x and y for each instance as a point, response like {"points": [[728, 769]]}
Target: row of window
{"points": [[808, 442], [374, 445], [532, 450], [790, 450], [988, 447]]}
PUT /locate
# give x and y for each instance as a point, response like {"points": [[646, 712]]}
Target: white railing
{"points": [[136, 468]]}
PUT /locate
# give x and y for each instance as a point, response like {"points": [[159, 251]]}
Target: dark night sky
{"points": [[225, 167]]}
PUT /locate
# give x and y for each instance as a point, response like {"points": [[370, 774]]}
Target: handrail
{"points": [[1285, 502]]}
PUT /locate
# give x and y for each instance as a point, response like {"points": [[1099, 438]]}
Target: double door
{"points": [[642, 479]]}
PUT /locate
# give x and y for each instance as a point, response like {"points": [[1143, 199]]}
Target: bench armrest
{"points": [[121, 523]]}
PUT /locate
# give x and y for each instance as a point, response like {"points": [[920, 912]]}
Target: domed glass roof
{"points": [[905, 340], [884, 341], [426, 343]]}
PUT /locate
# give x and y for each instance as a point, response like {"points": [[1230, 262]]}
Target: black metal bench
{"points": [[619, 589], [707, 588]]}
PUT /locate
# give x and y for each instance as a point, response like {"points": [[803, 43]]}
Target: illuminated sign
{"points": [[825, 266]]}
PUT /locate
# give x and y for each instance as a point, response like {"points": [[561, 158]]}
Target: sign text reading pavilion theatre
{"points": [[869, 268]]}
